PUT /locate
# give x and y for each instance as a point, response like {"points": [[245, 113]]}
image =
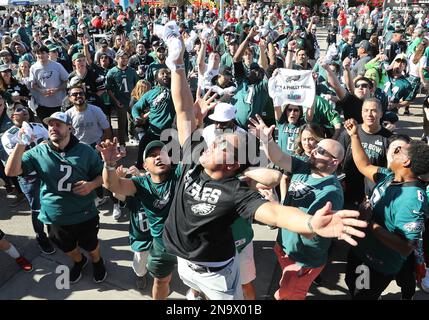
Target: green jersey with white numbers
{"points": [[59, 170], [400, 208], [121, 83], [156, 199], [139, 232]]}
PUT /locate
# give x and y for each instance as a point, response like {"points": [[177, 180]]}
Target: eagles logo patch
{"points": [[413, 226], [299, 190], [202, 209]]}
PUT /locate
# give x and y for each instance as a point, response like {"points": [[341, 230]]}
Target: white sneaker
{"points": [[100, 201], [2, 183], [425, 282], [117, 212], [190, 296]]}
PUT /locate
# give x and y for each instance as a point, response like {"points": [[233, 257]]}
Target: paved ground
{"points": [[120, 283]]}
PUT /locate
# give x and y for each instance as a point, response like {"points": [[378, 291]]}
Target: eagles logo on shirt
{"points": [[299, 190], [413, 226], [202, 209]]}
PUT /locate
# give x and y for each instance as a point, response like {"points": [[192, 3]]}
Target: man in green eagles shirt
{"points": [[69, 172], [120, 81], [396, 221], [313, 184], [155, 191], [161, 110]]}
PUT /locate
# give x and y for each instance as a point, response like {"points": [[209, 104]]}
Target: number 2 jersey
{"points": [[58, 171], [400, 208]]}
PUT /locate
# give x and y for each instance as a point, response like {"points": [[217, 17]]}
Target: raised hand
{"points": [[329, 224], [347, 63], [109, 151], [206, 103], [121, 171], [260, 129], [351, 127]]}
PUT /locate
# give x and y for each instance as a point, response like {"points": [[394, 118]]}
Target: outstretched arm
{"points": [[324, 223], [359, 156], [182, 99]]}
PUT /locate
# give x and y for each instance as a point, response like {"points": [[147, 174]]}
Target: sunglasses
{"points": [[362, 85], [320, 150], [77, 94], [401, 60], [19, 110]]}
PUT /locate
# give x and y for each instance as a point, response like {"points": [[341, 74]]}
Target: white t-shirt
{"points": [[51, 75], [414, 68], [88, 125]]}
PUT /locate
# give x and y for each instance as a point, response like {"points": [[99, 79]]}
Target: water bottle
{"points": [[26, 133]]}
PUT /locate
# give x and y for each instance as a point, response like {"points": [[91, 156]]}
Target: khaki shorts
{"points": [[247, 264]]}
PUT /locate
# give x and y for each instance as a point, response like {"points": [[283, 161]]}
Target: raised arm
{"points": [[182, 99], [271, 148], [348, 75], [359, 156], [263, 60], [334, 82], [291, 49], [111, 155], [268, 177], [202, 57], [240, 51]]}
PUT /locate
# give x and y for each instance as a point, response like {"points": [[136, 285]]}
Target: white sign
{"points": [[292, 87]]}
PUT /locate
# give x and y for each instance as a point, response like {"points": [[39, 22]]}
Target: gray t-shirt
{"points": [[88, 125], [51, 75], [359, 68]]}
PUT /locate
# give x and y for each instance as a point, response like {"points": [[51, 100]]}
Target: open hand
{"points": [[260, 130], [329, 224], [109, 151]]}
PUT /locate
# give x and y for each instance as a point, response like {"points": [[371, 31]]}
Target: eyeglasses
{"points": [[320, 150], [77, 94], [362, 85]]}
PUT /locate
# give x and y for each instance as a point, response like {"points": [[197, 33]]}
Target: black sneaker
{"points": [[76, 270], [100, 272], [46, 246], [141, 282], [318, 281], [407, 112]]}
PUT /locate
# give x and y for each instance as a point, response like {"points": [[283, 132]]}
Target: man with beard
{"points": [[156, 65], [312, 185], [161, 110], [155, 193], [397, 88], [209, 197], [141, 60], [69, 172]]}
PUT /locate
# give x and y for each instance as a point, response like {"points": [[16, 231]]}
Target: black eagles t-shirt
{"points": [[198, 227]]}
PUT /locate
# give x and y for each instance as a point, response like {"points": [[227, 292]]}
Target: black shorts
{"points": [[83, 235], [1, 235]]}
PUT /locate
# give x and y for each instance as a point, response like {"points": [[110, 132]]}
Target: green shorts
{"points": [[160, 264]]}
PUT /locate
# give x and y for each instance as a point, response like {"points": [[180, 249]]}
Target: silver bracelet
{"points": [[110, 168], [310, 227]]}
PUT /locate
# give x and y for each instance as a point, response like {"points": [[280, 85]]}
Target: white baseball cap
{"points": [[60, 116], [223, 112]]}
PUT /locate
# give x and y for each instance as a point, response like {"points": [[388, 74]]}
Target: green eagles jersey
{"points": [[250, 100], [121, 83], [161, 108], [400, 209], [288, 132], [58, 172], [139, 232], [242, 233], [324, 114], [309, 194], [226, 61], [398, 89], [156, 199]]}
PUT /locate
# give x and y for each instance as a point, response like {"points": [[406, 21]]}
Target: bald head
{"points": [[333, 147]]}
